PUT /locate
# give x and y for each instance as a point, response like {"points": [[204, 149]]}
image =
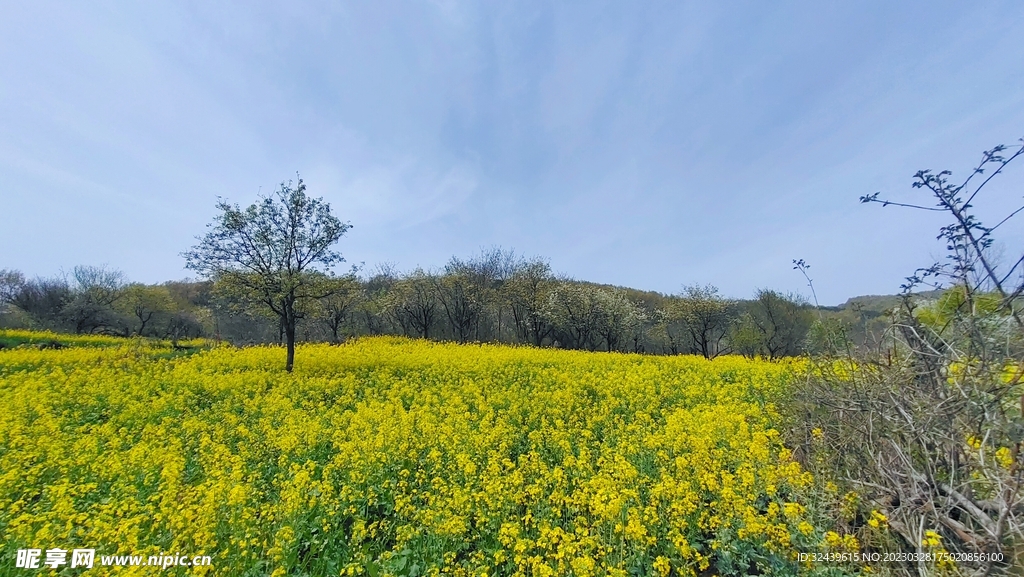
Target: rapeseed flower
{"points": [[388, 454]]}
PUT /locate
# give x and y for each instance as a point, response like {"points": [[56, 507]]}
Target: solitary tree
{"points": [[276, 253]]}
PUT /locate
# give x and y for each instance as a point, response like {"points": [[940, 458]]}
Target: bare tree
{"points": [[145, 306], [526, 292], [574, 311], [338, 303], [375, 300], [413, 303], [94, 292], [705, 314], [618, 318], [462, 291], [783, 322], [11, 281]]}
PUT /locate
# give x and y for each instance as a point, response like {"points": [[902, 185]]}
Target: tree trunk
{"points": [[289, 332]]}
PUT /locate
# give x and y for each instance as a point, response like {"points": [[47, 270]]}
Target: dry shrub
{"points": [[920, 438]]}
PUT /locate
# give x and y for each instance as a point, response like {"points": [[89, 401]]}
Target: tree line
{"points": [[495, 296]]}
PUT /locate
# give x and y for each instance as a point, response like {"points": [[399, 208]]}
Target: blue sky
{"points": [[639, 144]]}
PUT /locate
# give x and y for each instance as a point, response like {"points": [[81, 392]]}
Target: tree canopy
{"points": [[277, 252]]}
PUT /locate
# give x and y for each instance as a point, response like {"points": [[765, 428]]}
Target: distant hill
{"points": [[880, 303]]}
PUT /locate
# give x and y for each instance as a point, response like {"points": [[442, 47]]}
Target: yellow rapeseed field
{"points": [[388, 456]]}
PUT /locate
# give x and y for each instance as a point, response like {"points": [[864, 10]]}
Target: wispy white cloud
{"points": [[395, 196], [649, 145]]}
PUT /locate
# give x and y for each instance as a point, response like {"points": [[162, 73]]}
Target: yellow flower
{"points": [[389, 452], [793, 510], [1004, 456]]}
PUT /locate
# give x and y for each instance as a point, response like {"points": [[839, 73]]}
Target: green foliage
{"points": [[147, 310], [956, 302]]}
